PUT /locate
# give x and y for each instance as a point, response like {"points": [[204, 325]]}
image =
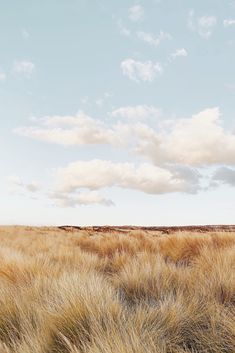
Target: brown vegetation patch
{"points": [[103, 290]]}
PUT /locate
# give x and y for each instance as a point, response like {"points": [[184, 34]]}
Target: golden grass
{"points": [[134, 292]]}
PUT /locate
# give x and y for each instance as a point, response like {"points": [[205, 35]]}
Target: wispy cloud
{"points": [[74, 199], [71, 130], [149, 38], [137, 71], [123, 29], [136, 112], [18, 186], [136, 13], [179, 53], [24, 67], [203, 25], [229, 22]]}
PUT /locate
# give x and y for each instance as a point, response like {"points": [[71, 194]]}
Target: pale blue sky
{"points": [[117, 112]]}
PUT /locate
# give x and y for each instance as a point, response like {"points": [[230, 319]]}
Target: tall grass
{"points": [[83, 292]]}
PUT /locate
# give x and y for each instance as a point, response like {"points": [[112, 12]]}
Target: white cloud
{"points": [[206, 25], [190, 20], [79, 199], [136, 13], [24, 67], [179, 52], [203, 25], [151, 39], [225, 175], [229, 22], [98, 174], [100, 101], [71, 130], [107, 95], [137, 71], [123, 30], [136, 112], [198, 141]]}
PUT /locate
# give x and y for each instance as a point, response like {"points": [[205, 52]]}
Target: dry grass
{"points": [[136, 292]]}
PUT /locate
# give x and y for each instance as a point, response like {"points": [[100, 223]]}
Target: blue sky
{"points": [[117, 112]]}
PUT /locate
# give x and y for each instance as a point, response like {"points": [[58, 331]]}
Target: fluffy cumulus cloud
{"points": [[198, 141], [24, 67], [136, 112], [169, 154], [136, 13], [203, 25], [137, 71], [151, 39], [145, 177]]}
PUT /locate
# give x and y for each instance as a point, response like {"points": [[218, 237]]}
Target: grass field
{"points": [[120, 291]]}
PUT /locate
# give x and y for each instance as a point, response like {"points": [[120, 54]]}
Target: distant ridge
{"points": [[164, 229]]}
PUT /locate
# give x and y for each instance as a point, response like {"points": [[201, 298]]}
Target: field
{"points": [[110, 290]]}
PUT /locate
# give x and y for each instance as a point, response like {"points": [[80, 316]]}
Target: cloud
{"points": [[24, 67], [200, 140], [98, 174], [79, 199], [206, 25], [225, 175], [197, 141], [17, 185], [203, 25], [137, 71], [229, 22], [123, 30], [70, 130], [136, 13], [136, 112], [150, 39], [179, 52], [100, 101]]}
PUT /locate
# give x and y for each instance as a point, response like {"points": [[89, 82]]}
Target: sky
{"points": [[117, 112]]}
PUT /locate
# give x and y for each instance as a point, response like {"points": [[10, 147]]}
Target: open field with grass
{"points": [[109, 290]]}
